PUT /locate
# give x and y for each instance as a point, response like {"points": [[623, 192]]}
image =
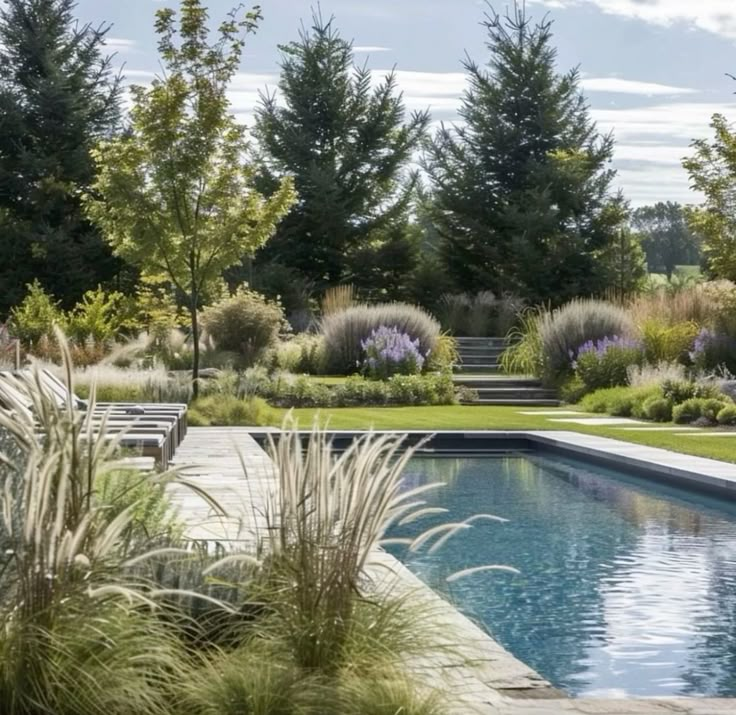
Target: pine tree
{"points": [[58, 95], [522, 188], [348, 146]]}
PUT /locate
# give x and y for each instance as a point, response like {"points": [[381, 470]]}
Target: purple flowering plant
{"points": [[388, 352], [605, 362], [713, 350]]}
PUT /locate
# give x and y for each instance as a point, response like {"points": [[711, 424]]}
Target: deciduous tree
{"points": [[175, 194], [666, 238], [712, 170]]}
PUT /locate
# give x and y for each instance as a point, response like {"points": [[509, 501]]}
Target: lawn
{"points": [[504, 418]]}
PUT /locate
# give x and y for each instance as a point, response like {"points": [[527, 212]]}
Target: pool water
{"points": [[627, 587]]}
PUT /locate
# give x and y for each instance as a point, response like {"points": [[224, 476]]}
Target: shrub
{"points": [[697, 407], [573, 390], [227, 410], [679, 391], [390, 352], [619, 401], [567, 328], [712, 351], [36, 316], [422, 390], [667, 343], [445, 355], [727, 415], [246, 323], [98, 317], [304, 353], [345, 331], [658, 409], [606, 362]]}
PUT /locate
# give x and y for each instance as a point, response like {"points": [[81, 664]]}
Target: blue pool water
{"points": [[627, 587]]}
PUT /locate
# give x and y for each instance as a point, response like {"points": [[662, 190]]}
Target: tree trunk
{"points": [[195, 339]]}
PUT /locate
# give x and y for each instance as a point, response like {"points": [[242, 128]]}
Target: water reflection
{"points": [[627, 587]]}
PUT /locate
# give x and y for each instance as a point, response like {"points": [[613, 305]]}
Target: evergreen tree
{"points": [[522, 187], [624, 264], [348, 146], [58, 96], [666, 237]]}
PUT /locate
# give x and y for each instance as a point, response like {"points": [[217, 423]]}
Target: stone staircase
{"points": [[479, 370]]}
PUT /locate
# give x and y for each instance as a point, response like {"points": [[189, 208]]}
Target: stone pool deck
{"points": [[480, 674]]}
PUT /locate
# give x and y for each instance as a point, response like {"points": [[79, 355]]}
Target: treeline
{"points": [[516, 198]]}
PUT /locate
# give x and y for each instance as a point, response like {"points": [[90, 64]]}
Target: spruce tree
{"points": [[348, 146], [58, 95], [522, 186]]}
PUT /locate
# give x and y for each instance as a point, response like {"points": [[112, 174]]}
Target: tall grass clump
{"points": [[337, 299], [78, 635], [692, 303], [345, 331]]}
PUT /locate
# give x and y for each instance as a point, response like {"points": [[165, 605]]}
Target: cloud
{"points": [[716, 16], [370, 48], [120, 44], [628, 86]]}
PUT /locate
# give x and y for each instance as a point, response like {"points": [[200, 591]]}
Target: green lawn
{"points": [[500, 418]]}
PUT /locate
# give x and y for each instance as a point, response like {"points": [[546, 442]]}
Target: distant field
{"points": [[680, 272]]}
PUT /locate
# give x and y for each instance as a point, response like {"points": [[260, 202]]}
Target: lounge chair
{"points": [[143, 434]]}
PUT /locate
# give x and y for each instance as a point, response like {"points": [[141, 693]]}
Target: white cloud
{"points": [[120, 44], [628, 86], [717, 16], [370, 48]]}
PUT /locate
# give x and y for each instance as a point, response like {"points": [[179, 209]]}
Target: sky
{"points": [[654, 71]]}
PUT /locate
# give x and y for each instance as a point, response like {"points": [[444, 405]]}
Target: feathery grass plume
{"points": [[338, 298], [328, 516], [77, 636], [345, 331], [692, 303]]}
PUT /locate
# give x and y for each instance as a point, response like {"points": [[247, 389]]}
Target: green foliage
{"points": [[665, 237], [623, 264], [620, 401], [304, 353], [444, 356], [151, 515], [667, 343], [98, 316], [658, 409], [608, 369], [712, 170], [522, 187], [727, 416], [524, 354], [680, 391], [245, 323], [228, 410], [388, 695], [245, 682], [697, 408], [36, 315], [345, 331], [573, 390], [399, 390], [348, 145], [174, 195], [59, 94]]}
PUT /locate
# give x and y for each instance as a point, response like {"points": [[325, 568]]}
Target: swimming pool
{"points": [[627, 587]]}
